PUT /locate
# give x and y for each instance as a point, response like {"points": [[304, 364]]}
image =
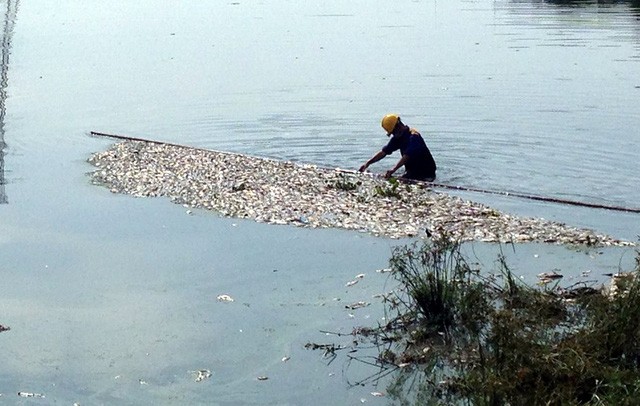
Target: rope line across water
{"points": [[430, 184]]}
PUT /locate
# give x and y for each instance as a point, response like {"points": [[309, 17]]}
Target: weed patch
{"points": [[454, 335], [344, 183], [388, 190]]}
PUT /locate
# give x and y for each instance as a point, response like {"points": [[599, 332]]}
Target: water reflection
{"points": [[7, 32]]}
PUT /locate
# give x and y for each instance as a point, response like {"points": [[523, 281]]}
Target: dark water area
{"points": [[112, 299]]}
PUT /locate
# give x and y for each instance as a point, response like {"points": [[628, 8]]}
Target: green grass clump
{"points": [[484, 340], [344, 183], [390, 189]]}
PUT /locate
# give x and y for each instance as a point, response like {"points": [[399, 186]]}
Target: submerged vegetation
{"points": [[456, 335]]}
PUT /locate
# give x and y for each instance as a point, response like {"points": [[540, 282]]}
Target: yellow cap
{"points": [[389, 122]]}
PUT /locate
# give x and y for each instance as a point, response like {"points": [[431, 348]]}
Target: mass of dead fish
{"points": [[279, 192]]}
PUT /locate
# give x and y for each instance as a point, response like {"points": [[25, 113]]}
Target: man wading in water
{"points": [[416, 157]]}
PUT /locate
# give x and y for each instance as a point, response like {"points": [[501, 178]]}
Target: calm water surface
{"points": [[111, 299]]}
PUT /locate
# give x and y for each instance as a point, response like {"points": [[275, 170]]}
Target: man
{"points": [[416, 157]]}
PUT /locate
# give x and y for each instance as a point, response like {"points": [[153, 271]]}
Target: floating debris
{"points": [[4, 328], [329, 349], [202, 374], [285, 359], [277, 192], [357, 305], [548, 277], [263, 378], [351, 283], [30, 395], [225, 298], [377, 394]]}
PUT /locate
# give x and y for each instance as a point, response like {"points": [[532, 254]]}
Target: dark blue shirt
{"points": [[420, 164]]}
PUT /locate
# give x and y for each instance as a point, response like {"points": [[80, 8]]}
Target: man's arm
{"points": [[399, 165], [381, 154]]}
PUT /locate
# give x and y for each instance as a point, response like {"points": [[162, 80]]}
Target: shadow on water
{"points": [[582, 3], [7, 32], [634, 5]]}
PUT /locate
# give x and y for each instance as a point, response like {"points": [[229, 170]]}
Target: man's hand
{"points": [[403, 160], [373, 160]]}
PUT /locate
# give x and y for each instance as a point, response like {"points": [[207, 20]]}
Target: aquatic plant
{"points": [[388, 190], [445, 297], [463, 336], [342, 182]]}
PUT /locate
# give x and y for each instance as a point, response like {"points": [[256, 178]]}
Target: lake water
{"points": [[112, 299]]}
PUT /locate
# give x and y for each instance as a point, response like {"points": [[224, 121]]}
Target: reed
{"points": [[479, 339]]}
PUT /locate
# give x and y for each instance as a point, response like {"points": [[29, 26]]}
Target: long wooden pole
{"points": [[5, 45], [431, 184]]}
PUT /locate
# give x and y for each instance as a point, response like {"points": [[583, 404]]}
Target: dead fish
{"points": [[201, 179], [263, 378], [225, 298], [353, 282], [30, 395], [549, 275], [202, 374], [357, 305]]}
